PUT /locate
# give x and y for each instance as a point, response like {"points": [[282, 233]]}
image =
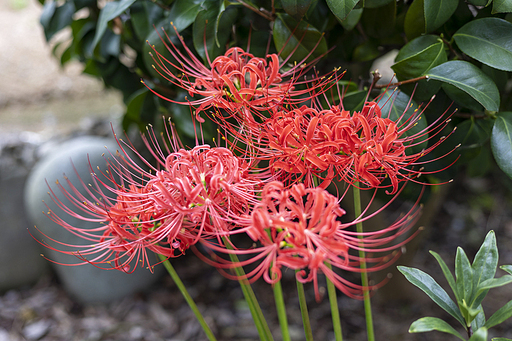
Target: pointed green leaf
{"points": [[488, 40], [430, 287], [501, 142], [399, 107], [507, 268], [479, 321], [479, 335], [501, 6], [341, 8], [484, 266], [55, 18], [419, 56], [427, 324], [110, 11], [306, 40], [447, 274], [437, 12], [464, 275], [470, 79], [495, 282]]}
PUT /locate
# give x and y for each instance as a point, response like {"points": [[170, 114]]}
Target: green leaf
{"points": [[470, 79], [500, 339], [110, 11], [414, 24], [366, 51], [352, 19], [184, 13], [354, 101], [341, 8], [461, 98], [488, 40], [427, 324], [501, 6], [464, 275], [507, 268], [484, 266], [306, 40], [437, 12], [296, 8], [430, 287], [144, 15], [419, 56], [207, 33], [447, 274], [479, 335], [495, 282], [399, 107], [501, 142], [479, 320]]}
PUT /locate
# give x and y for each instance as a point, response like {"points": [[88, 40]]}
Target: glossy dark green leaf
{"points": [[484, 266], [501, 142], [184, 13], [507, 268], [427, 324], [208, 35], [419, 56], [376, 3], [352, 19], [414, 24], [437, 12], [501, 6], [446, 272], [341, 8], [461, 98], [430, 287], [110, 11], [464, 276], [470, 79], [134, 104], [399, 107], [479, 335], [55, 18], [488, 40], [305, 39], [501, 315], [354, 101], [296, 8]]}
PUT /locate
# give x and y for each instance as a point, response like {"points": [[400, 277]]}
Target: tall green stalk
{"points": [[335, 312], [250, 298], [188, 298], [364, 274], [281, 311], [304, 311]]}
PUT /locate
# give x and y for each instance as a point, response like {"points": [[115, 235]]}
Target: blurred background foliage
{"points": [[460, 51]]}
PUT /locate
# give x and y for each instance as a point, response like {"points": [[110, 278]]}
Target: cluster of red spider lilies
{"points": [[286, 150]]}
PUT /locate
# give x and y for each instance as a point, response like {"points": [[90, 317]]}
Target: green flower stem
{"points": [[188, 298], [333, 300], [304, 312], [281, 311], [250, 298], [364, 274]]}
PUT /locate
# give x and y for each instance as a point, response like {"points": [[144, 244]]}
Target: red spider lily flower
{"points": [[194, 194], [299, 228], [237, 79], [354, 147]]}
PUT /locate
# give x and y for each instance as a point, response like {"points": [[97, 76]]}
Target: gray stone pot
{"points": [[85, 282]]}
